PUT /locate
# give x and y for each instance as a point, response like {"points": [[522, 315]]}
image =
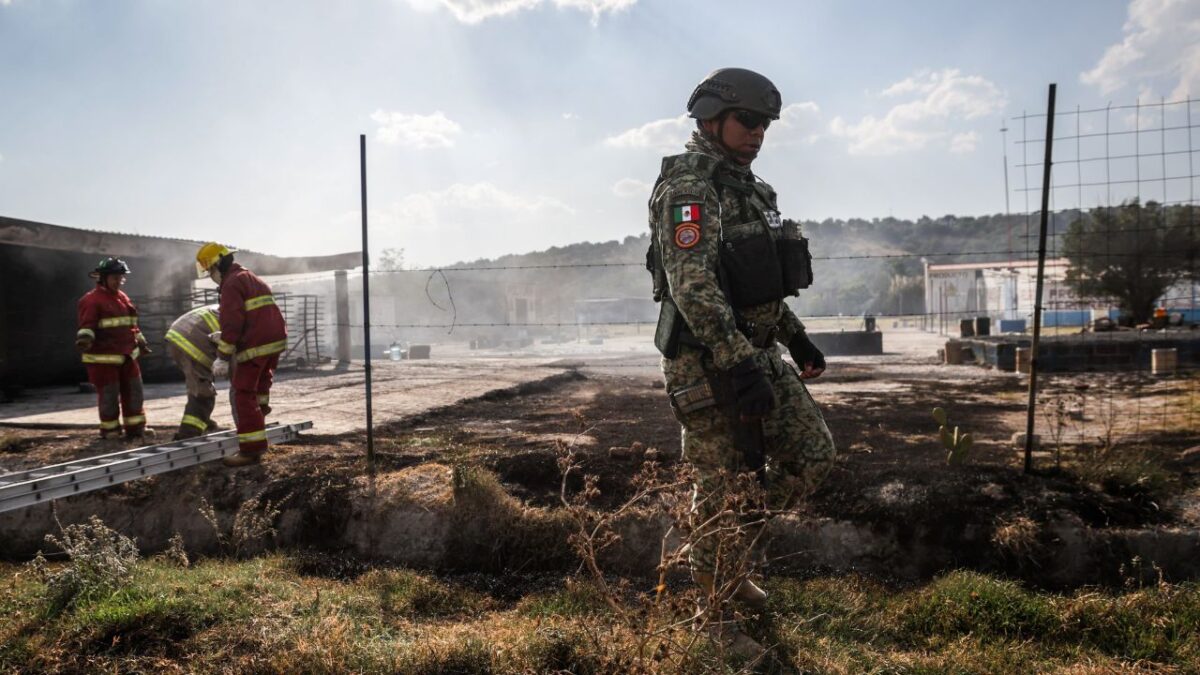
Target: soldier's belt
{"points": [[760, 336], [693, 398]]}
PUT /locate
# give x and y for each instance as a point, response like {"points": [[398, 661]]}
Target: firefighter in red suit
{"points": [[110, 341], [253, 335]]}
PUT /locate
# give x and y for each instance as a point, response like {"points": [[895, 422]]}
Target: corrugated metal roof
{"points": [[1001, 265]]}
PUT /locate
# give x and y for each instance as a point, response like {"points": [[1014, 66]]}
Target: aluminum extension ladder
{"points": [[22, 489]]}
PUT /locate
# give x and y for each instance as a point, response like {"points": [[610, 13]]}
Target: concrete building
{"points": [[1006, 291], [44, 270], [1003, 291]]}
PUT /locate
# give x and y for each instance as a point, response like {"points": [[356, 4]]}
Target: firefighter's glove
{"points": [[220, 369], [83, 343], [143, 345], [754, 395], [807, 356]]}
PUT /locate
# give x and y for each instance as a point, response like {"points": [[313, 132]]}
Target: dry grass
{"points": [[260, 616]]}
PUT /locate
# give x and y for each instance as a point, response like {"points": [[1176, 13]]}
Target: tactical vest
{"points": [[762, 259]]}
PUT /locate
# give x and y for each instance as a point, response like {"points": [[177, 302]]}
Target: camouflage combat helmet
{"points": [[729, 88]]}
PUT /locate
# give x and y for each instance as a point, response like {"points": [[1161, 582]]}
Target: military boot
{"points": [[729, 634], [721, 625], [747, 592], [240, 459]]}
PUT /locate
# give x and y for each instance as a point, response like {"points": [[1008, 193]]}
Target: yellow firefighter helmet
{"points": [[208, 255]]}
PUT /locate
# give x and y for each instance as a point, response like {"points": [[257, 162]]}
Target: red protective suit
{"points": [[253, 334], [109, 319]]}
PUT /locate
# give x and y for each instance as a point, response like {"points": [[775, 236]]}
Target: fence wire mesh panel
{"points": [[1120, 353], [306, 323]]}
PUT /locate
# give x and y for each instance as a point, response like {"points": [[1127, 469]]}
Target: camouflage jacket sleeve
{"points": [[789, 324], [689, 256]]}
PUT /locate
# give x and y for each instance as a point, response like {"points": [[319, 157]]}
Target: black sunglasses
{"points": [[752, 120]]}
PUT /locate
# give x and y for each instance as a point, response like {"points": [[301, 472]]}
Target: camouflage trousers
{"points": [[799, 450]]}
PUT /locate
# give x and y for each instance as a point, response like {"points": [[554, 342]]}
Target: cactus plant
{"points": [[957, 444]]}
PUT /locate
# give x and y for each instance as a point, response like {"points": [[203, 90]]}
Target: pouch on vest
{"points": [[696, 397], [796, 262], [752, 271], [670, 325]]}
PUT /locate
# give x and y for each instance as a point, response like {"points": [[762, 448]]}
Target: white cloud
{"points": [[631, 187], [596, 7], [943, 99], [665, 135], [463, 204], [416, 131], [798, 123], [964, 143], [477, 11], [1162, 42], [570, 116]]}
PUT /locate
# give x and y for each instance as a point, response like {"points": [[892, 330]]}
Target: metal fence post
{"points": [[1041, 274]]}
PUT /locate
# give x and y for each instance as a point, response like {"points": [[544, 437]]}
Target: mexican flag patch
{"points": [[685, 213]]}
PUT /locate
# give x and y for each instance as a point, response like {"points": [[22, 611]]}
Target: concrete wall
{"points": [[1092, 353], [38, 310], [44, 271], [848, 343]]}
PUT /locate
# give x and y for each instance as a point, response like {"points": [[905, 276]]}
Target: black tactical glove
{"points": [[755, 397], [806, 355]]}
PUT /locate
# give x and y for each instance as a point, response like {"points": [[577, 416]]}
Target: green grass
{"points": [[968, 622], [261, 616]]}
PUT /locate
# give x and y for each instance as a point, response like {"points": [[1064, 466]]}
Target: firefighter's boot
{"points": [[143, 436], [111, 439], [185, 432], [240, 459]]}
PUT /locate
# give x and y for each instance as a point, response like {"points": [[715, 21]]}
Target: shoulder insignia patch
{"points": [[685, 213], [687, 235]]}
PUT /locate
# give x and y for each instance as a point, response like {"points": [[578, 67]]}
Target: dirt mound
{"points": [[476, 489]]}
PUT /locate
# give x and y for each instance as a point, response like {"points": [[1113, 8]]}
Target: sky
{"points": [[505, 126]]}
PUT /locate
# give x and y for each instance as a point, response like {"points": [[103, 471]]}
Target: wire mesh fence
{"points": [[1122, 359]]}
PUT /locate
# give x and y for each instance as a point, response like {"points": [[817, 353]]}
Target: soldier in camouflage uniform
{"points": [[723, 261]]}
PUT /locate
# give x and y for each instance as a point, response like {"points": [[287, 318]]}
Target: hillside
{"points": [[860, 265]]}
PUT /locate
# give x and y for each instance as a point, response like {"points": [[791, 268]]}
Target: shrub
{"points": [[100, 561]]}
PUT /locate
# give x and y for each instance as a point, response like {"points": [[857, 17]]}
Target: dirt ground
{"points": [[891, 478]]}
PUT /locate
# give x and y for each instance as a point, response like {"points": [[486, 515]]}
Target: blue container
{"points": [[1012, 325], [1067, 317]]}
